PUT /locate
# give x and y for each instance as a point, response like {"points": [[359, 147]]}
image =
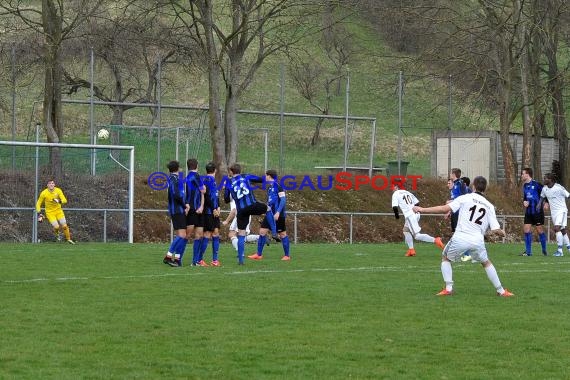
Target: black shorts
{"points": [[280, 224], [454, 220], [243, 215], [211, 222], [534, 219], [178, 221], [194, 219]]}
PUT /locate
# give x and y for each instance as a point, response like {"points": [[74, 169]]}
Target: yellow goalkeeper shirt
{"points": [[48, 197]]}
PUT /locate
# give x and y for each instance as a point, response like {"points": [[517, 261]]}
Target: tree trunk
{"points": [[524, 68], [317, 133], [230, 126], [52, 121], [217, 133]]}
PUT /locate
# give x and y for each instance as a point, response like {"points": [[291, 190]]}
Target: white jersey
{"points": [[406, 201], [476, 216], [556, 196]]}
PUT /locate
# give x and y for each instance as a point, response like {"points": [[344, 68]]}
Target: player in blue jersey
{"points": [[457, 190], [240, 189], [177, 209], [195, 190], [276, 200], [533, 214], [211, 215], [466, 181]]}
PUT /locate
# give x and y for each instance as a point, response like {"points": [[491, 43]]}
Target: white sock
{"points": [[425, 237], [447, 274], [234, 242], [566, 239], [251, 238], [409, 239], [559, 240], [494, 278]]}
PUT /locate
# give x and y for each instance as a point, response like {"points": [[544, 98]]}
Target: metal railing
{"points": [[292, 216]]}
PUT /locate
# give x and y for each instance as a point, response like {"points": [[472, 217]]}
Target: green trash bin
{"points": [[393, 167]]}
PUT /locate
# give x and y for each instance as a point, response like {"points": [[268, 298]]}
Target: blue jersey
{"points": [[531, 194], [193, 186], [458, 188], [274, 201], [176, 194], [240, 190], [211, 201]]}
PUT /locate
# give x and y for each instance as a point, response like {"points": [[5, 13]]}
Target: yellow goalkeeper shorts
{"points": [[52, 217]]}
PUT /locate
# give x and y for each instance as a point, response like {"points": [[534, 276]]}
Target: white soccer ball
{"points": [[103, 134]]}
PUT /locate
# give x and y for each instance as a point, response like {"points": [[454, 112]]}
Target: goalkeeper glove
{"points": [[396, 214], [40, 218]]}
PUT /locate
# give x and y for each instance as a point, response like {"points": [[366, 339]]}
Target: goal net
{"points": [[97, 180]]}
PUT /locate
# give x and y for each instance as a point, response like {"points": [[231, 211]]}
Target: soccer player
{"points": [[533, 214], [195, 190], [553, 197], [246, 205], [276, 200], [177, 209], [457, 190], [476, 216], [53, 198], [211, 215], [232, 231], [406, 201]]}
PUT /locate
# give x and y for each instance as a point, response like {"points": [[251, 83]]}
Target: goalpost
{"points": [[110, 191]]}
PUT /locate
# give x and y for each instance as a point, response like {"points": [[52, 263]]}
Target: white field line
{"points": [[503, 268]]}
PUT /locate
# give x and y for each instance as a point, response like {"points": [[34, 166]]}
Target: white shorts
{"points": [[412, 223], [233, 226], [460, 245], [560, 218]]}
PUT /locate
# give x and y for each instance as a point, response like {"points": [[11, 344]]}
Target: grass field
{"points": [[115, 311]]}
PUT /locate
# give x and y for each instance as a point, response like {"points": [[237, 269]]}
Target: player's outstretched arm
{"points": [[433, 210]]}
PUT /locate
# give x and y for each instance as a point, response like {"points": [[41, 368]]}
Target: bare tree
{"points": [[132, 43], [314, 84], [56, 21], [235, 37]]}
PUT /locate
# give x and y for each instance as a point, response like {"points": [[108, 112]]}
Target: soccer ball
{"points": [[103, 134]]}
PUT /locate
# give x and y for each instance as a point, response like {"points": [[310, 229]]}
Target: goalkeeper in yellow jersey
{"points": [[53, 199]]}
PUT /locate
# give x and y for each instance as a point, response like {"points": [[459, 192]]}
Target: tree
{"points": [[129, 41], [56, 21], [234, 38], [311, 79]]}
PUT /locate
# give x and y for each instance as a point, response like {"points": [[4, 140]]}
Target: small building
{"points": [[480, 153]]}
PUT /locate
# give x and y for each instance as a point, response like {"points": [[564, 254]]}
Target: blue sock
{"points": [[215, 247], [181, 248], [174, 244], [241, 248], [204, 247], [271, 221], [528, 242], [285, 242], [196, 250], [542, 238], [261, 244]]}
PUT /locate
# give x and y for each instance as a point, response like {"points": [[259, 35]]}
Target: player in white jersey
{"points": [[554, 196], [232, 233], [476, 216], [406, 201]]}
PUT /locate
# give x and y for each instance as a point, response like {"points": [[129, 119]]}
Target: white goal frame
{"points": [[130, 169]]}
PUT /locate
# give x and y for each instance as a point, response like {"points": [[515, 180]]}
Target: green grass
{"points": [[335, 311]]}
